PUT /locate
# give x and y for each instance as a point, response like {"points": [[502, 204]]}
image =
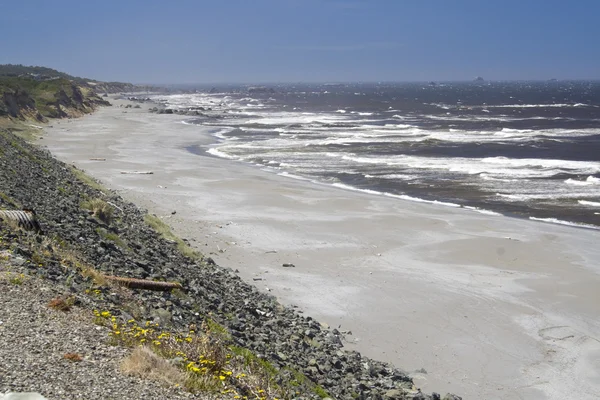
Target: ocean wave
{"points": [[396, 196], [566, 165], [293, 176], [218, 153], [552, 105], [590, 180], [589, 203], [549, 195], [482, 211], [562, 222], [419, 200]]}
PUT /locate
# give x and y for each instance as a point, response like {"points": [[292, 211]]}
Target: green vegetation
{"points": [[88, 180], [15, 70], [204, 358], [113, 237], [100, 209], [9, 200], [163, 229], [29, 95]]}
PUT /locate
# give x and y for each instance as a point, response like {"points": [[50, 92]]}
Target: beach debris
{"points": [[288, 265], [115, 206], [134, 283], [137, 172], [270, 251], [257, 279], [97, 159], [25, 219], [173, 212]]}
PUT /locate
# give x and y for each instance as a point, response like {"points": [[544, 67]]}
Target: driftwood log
{"points": [[133, 283]]}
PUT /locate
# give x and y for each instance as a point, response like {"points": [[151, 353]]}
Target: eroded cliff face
{"points": [[19, 104], [25, 99], [72, 102]]}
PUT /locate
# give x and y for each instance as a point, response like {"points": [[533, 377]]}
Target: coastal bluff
{"points": [[91, 234]]}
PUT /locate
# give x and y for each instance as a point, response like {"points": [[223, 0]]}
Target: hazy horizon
{"points": [[309, 41]]}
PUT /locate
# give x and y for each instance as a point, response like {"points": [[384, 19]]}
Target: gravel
{"points": [[30, 177]]}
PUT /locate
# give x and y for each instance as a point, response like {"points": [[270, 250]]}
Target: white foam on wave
{"points": [[355, 189], [341, 111], [396, 196], [221, 133], [494, 167], [509, 130], [482, 211], [548, 195], [218, 153], [589, 203], [544, 163], [442, 105], [292, 176], [418, 200], [590, 180], [291, 118], [402, 177], [560, 105], [487, 177], [562, 222]]}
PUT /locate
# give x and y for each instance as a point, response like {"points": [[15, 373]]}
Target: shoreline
{"points": [[432, 278], [198, 151]]}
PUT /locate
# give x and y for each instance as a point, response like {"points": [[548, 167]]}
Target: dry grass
{"points": [[11, 224], [208, 362], [61, 303], [146, 364], [97, 277], [74, 357], [165, 231], [101, 209]]}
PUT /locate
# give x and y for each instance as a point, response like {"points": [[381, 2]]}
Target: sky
{"points": [[254, 41]]}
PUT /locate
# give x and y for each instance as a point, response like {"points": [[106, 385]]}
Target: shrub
{"points": [[101, 209]]}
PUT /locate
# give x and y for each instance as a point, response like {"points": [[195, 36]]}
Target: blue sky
{"points": [[237, 41]]}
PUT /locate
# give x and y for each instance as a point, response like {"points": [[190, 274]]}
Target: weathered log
{"points": [[133, 283], [138, 172]]}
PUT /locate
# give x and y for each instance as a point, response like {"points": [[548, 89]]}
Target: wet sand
{"points": [[490, 307]]}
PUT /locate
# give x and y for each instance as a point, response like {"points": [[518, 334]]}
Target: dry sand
{"points": [[490, 307]]}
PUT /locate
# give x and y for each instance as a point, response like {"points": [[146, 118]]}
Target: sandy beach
{"points": [[484, 306]]}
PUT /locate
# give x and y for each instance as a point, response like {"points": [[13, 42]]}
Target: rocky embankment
{"points": [[81, 243]]}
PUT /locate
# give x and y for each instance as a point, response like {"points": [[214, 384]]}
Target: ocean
{"points": [[522, 149]]}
